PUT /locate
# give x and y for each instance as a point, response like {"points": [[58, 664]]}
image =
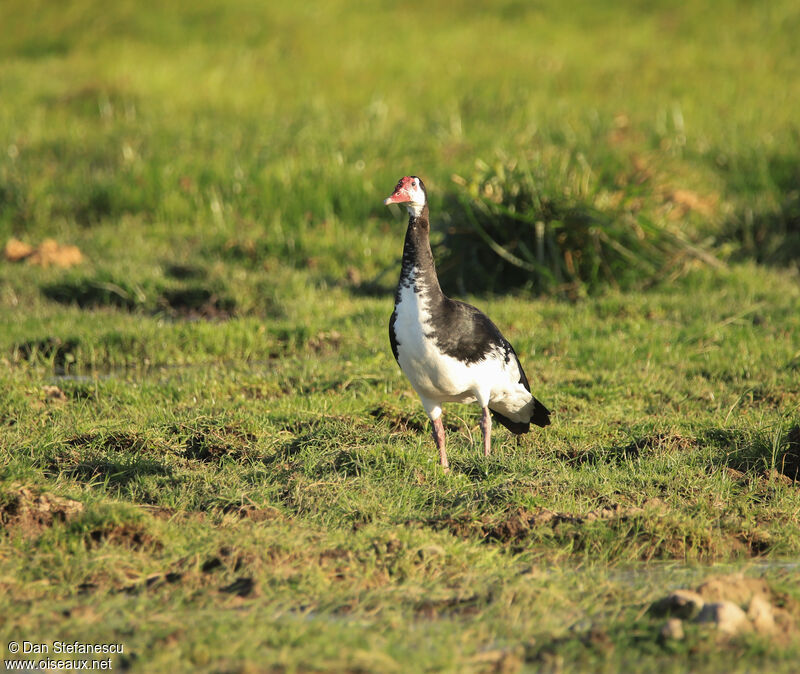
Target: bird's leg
{"points": [[486, 427], [438, 438]]}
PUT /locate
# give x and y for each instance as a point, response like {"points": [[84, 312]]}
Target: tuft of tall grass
{"points": [[548, 224]]}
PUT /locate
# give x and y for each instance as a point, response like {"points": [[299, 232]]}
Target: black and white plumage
{"points": [[449, 350]]}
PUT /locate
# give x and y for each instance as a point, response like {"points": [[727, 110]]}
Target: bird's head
{"points": [[410, 190]]}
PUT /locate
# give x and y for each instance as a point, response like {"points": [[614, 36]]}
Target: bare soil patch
{"points": [[30, 512], [48, 252], [253, 513], [129, 535], [732, 604]]}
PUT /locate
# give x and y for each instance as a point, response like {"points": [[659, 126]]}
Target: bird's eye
{"points": [[413, 183]]}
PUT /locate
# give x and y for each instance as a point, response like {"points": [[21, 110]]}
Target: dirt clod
{"points": [[672, 630], [48, 252], [733, 604], [53, 394], [17, 250], [253, 513], [735, 588], [31, 512], [726, 616], [680, 603], [762, 615]]}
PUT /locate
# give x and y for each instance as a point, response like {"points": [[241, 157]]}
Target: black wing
{"points": [[469, 335], [463, 332], [392, 337]]}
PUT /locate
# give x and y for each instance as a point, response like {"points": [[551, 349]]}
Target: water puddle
{"points": [[667, 573]]}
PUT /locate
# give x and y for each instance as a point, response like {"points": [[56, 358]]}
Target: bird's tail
{"points": [[539, 415]]}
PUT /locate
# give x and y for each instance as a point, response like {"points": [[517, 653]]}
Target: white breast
{"points": [[438, 378]]}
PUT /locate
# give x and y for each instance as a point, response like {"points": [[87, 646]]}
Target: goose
{"points": [[449, 350]]}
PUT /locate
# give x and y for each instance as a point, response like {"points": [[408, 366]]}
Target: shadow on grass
{"points": [[653, 442], [116, 458], [197, 302], [61, 351], [191, 300], [211, 443], [114, 473], [319, 462], [101, 291], [768, 233], [758, 452]]}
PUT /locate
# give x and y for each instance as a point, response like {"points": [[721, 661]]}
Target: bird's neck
{"points": [[418, 267]]}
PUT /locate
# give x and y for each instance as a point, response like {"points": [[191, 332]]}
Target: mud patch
{"points": [[756, 542], [30, 512], [736, 588]]}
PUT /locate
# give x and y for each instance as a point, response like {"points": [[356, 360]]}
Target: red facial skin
{"points": [[400, 194]]}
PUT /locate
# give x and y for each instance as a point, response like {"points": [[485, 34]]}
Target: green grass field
{"points": [[207, 452]]}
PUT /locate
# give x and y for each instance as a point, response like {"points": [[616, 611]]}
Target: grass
{"points": [[231, 473]]}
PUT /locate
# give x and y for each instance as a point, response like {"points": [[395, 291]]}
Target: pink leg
{"points": [[486, 427], [438, 438]]}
